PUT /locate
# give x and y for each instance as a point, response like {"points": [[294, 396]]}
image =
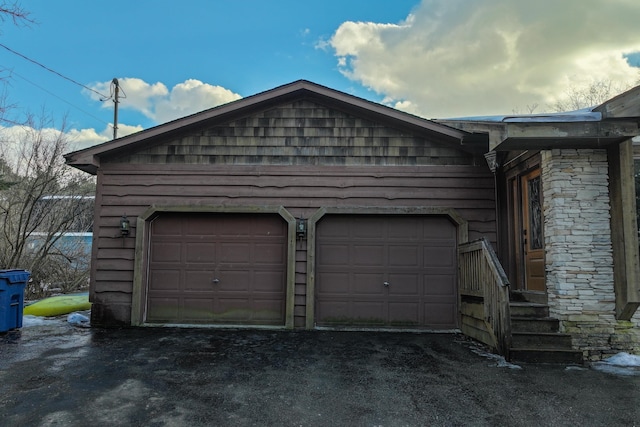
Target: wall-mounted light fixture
{"points": [[301, 228], [124, 225]]}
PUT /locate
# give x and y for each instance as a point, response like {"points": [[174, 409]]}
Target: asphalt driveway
{"points": [[55, 374]]}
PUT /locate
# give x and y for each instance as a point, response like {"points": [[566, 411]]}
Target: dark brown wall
{"points": [[224, 167]]}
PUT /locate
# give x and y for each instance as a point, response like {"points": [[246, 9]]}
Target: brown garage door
{"points": [[386, 271], [217, 268]]}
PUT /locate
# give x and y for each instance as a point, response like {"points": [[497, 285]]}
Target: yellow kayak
{"points": [[56, 306]]}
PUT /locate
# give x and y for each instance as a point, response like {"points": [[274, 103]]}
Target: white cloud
{"points": [[135, 94], [75, 139], [454, 57], [84, 138], [190, 97], [160, 104]]}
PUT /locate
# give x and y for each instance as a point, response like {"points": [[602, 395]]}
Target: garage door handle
{"points": [[216, 280], [386, 284]]}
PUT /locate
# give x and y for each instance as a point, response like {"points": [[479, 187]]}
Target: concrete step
{"points": [[545, 340], [528, 296], [537, 355], [530, 324], [529, 309]]}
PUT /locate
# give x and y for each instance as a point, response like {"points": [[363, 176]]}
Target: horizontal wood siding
{"points": [[300, 283], [132, 189]]}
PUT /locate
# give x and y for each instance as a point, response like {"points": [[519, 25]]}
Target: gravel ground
{"points": [[56, 374]]}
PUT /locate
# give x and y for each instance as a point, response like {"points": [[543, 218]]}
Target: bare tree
{"points": [[45, 206], [530, 109], [43, 201], [597, 92], [12, 10]]}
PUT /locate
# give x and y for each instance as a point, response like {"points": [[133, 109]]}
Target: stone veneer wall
{"points": [[579, 261]]}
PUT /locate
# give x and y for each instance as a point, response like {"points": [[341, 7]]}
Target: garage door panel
{"points": [[338, 230], [268, 281], [235, 252], [333, 255], [367, 284], [407, 230], [198, 281], [234, 310], [369, 313], [232, 281], [369, 255], [404, 285], [164, 280], [163, 309], [268, 310], [366, 229], [166, 252], [217, 268], [440, 285], [440, 314], [200, 252], [439, 257], [267, 230], [334, 283], [198, 225], [404, 256], [168, 226], [197, 309], [266, 253], [236, 227], [332, 311], [404, 313], [440, 228], [416, 255]]}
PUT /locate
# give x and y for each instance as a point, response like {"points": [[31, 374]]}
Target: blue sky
{"points": [[435, 58], [247, 46]]}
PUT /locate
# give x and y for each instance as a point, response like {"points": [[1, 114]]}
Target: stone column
{"points": [[579, 260]]}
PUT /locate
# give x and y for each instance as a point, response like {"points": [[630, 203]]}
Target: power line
{"points": [[61, 99], [53, 71]]}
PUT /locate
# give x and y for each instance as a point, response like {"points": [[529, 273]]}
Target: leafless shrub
{"points": [[44, 204]]}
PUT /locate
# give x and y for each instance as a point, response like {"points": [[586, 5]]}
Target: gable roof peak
{"points": [[88, 158]]}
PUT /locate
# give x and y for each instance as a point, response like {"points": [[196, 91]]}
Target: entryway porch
{"points": [[514, 323]]}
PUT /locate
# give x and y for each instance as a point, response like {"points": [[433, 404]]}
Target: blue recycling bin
{"points": [[12, 284]]}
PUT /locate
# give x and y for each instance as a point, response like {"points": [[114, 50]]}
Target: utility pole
{"points": [[115, 108]]}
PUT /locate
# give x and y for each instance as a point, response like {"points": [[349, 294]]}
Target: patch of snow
{"points": [[29, 320], [624, 364], [583, 115], [500, 362], [624, 359], [80, 320]]}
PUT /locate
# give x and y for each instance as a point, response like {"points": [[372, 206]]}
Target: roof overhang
{"points": [[507, 136], [88, 159], [612, 122]]}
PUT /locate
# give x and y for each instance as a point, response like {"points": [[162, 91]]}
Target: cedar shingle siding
{"points": [[300, 133]]}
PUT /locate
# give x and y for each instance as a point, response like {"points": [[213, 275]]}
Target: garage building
{"points": [[299, 207]]}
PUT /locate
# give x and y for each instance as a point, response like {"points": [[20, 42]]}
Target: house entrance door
{"points": [[532, 237]]}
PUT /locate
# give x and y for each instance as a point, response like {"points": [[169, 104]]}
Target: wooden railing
{"points": [[484, 296]]}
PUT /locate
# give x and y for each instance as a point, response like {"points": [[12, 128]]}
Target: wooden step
{"points": [[530, 324], [537, 355], [529, 309], [529, 296], [545, 340]]}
